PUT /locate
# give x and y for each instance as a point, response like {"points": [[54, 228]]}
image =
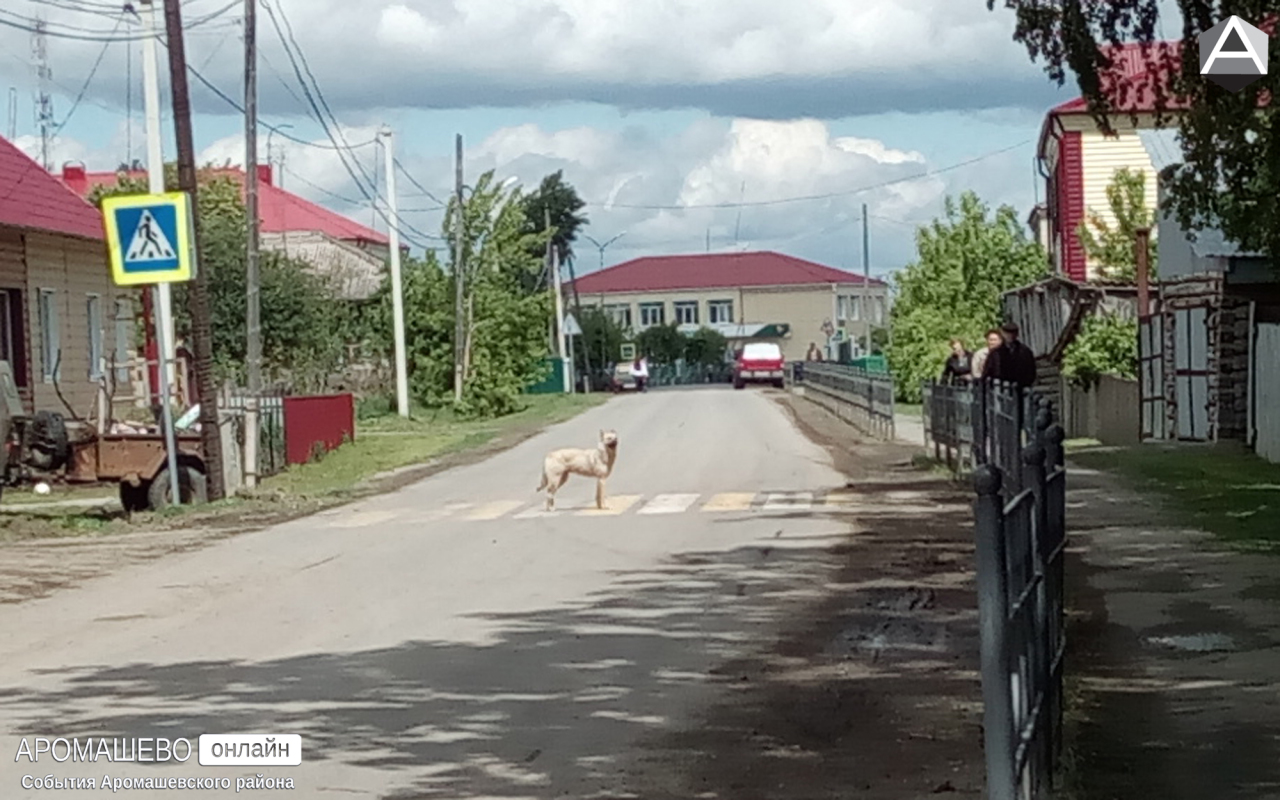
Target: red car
{"points": [[758, 362]]}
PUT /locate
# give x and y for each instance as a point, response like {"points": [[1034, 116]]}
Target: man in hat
{"points": [[1013, 362]]}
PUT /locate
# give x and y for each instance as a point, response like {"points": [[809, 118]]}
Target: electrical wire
{"points": [[78, 33], [826, 196], [419, 186], [93, 71]]}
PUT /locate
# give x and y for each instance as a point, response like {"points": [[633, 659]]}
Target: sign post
{"points": [[149, 239]]}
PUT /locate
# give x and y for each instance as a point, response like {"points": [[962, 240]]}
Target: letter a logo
{"points": [[1233, 54]]}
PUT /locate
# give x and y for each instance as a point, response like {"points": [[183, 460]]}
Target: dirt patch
{"points": [[1173, 652], [872, 692]]}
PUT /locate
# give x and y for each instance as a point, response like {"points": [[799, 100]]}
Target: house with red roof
{"points": [[1078, 160], [353, 255], [63, 322], [744, 295]]}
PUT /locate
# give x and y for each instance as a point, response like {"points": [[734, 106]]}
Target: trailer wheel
{"points": [[194, 488], [134, 498], [49, 444]]}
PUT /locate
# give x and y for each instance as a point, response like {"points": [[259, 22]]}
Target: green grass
{"points": [[1220, 489], [909, 409], [389, 442]]}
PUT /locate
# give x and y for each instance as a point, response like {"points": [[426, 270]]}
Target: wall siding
{"points": [[73, 268], [1070, 207], [1102, 156]]}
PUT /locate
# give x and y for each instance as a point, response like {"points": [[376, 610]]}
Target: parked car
{"points": [[622, 379], [758, 362]]}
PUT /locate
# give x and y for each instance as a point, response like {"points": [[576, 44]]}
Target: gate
{"points": [[1266, 392], [1193, 373], [1151, 388]]}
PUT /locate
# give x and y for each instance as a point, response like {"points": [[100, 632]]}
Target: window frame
{"points": [[50, 334]]}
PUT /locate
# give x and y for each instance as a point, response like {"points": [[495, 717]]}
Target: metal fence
{"points": [[272, 454], [1010, 437], [863, 399]]}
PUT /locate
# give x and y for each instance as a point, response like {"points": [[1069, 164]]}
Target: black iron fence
{"points": [[863, 399], [271, 441], [1010, 438]]}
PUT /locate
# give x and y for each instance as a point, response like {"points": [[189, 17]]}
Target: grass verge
{"points": [[389, 452], [1221, 489]]}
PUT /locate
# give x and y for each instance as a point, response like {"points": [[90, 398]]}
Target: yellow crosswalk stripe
{"points": [[612, 506], [494, 510], [840, 500], [730, 501]]}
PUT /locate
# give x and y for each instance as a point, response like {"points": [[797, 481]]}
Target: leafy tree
{"points": [[965, 262], [1107, 344], [879, 341], [560, 199], [303, 329], [706, 347], [1230, 140], [662, 344], [601, 340], [1112, 246]]}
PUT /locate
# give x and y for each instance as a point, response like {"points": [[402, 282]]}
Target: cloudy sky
{"points": [[749, 123]]}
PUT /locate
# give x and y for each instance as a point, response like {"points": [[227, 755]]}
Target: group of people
{"points": [[1004, 358]]}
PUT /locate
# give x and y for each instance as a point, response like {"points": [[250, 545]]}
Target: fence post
{"points": [[1055, 459], [993, 615], [1041, 667]]}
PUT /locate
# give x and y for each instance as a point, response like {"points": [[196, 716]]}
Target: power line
{"points": [[79, 33], [419, 186], [828, 195], [93, 71]]}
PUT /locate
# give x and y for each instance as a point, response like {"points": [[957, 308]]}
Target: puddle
{"points": [[1196, 642]]}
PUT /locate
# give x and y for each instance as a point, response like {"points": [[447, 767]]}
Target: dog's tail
{"points": [[542, 485]]}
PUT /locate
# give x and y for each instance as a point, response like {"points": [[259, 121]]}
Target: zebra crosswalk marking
{"points": [[362, 519], [491, 511], [789, 501], [729, 501], [613, 506], [842, 501], [669, 504]]}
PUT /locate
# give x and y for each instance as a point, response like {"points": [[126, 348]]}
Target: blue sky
{"points": [[669, 109]]}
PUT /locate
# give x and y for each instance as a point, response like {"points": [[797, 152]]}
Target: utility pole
{"points": [[201, 324], [13, 114], [866, 278], [44, 102], [559, 298], [397, 289], [458, 232], [252, 277], [166, 372], [577, 314]]}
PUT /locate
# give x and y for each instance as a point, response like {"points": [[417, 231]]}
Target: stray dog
{"points": [[595, 463]]}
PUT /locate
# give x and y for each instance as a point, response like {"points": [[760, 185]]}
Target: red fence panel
{"points": [[317, 422]]}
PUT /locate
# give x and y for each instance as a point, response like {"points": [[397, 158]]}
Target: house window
{"points": [[720, 311], [50, 336], [687, 312], [652, 314], [93, 311], [124, 322], [620, 313], [6, 328]]}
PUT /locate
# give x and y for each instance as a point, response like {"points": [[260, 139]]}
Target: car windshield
{"points": [[761, 351]]}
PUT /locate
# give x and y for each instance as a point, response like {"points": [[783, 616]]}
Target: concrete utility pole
{"points": [[866, 278], [459, 229], [201, 324], [253, 278], [397, 290], [163, 303]]}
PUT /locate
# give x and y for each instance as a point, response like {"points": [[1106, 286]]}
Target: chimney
{"points": [[264, 174], [73, 173]]}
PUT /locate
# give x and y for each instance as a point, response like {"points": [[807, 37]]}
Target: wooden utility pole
{"points": [[252, 277], [198, 289], [459, 229], [1141, 248], [866, 282]]}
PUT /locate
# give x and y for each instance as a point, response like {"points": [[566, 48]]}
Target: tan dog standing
{"points": [[594, 463]]}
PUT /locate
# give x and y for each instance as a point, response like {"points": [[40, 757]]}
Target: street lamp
{"points": [[601, 247], [279, 181]]}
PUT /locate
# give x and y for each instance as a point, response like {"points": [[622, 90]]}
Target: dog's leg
{"points": [[554, 486], [600, 494]]}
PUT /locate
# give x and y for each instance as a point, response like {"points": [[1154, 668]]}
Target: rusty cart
{"points": [[138, 462]]}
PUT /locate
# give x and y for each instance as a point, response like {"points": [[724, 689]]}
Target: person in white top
{"points": [[994, 340], [640, 371]]}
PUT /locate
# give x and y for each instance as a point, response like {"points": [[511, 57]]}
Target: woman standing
{"points": [[640, 371], [995, 340], [959, 365]]}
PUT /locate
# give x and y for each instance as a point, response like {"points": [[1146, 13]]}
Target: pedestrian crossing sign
{"points": [[149, 238]]}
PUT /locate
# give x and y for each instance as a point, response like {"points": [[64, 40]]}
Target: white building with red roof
{"points": [[747, 295], [354, 255], [63, 322]]}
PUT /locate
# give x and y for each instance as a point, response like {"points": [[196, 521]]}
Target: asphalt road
{"points": [[446, 640]]}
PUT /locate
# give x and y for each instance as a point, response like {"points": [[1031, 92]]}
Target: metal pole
{"points": [[397, 290], [993, 615], [156, 183], [458, 231], [1141, 247], [866, 280], [166, 413]]}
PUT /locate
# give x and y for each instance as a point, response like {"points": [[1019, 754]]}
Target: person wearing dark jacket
{"points": [[959, 366], [1013, 362]]}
